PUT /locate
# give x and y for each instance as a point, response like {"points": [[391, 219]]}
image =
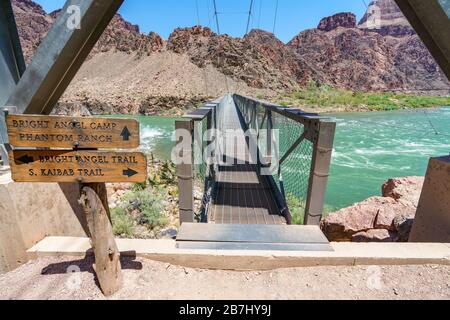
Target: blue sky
{"points": [[163, 16]]}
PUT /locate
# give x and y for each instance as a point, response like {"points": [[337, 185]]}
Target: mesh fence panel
{"points": [[294, 173], [292, 179]]}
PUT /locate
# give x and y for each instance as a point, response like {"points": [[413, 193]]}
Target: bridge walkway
{"points": [[243, 195]]}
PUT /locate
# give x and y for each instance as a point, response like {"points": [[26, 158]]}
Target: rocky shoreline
{"points": [[378, 219]]}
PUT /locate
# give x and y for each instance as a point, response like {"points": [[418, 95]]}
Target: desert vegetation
{"points": [[148, 210], [327, 97]]}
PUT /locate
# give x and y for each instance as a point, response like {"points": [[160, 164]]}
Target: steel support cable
{"points": [[249, 17], [275, 18], [250, 11], [216, 15], [205, 77]]}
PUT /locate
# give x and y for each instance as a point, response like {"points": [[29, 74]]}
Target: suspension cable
{"points": [[205, 76], [275, 18], [216, 15], [249, 17]]}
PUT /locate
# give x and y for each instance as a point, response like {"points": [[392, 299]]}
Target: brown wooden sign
{"points": [[77, 166], [72, 132]]}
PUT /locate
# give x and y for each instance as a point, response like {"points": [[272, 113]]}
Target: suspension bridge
{"points": [[269, 165]]}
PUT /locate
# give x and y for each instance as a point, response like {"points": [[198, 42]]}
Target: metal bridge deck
{"points": [[243, 196]]}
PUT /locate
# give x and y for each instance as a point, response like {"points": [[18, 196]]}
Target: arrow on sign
{"points": [[26, 159], [129, 173], [126, 134]]}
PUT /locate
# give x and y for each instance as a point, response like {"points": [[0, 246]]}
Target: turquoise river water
{"points": [[369, 148]]}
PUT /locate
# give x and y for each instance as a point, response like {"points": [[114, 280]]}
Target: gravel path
{"points": [[47, 278]]}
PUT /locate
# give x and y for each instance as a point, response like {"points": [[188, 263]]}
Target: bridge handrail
{"points": [[317, 130]]}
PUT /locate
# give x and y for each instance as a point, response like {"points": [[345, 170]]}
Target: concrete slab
{"points": [[432, 221], [345, 254], [31, 211]]}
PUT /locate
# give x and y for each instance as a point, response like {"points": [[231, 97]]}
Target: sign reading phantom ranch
{"points": [[72, 132], [81, 162], [77, 166]]}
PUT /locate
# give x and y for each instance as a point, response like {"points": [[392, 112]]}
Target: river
{"points": [[369, 148]]}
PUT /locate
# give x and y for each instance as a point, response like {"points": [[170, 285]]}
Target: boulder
{"points": [[375, 235], [393, 214], [342, 225], [403, 224], [386, 216], [406, 190], [170, 233]]}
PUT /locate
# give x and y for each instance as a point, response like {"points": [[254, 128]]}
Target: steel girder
{"points": [[61, 54], [12, 64]]}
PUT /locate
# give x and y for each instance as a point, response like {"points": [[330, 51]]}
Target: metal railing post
{"points": [[320, 170], [269, 135], [210, 126], [185, 172]]}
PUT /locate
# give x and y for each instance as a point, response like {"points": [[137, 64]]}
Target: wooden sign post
{"points": [[78, 160]]}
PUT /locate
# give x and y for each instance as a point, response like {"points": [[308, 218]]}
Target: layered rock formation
{"points": [[378, 219], [33, 24], [196, 64], [381, 53], [344, 20], [259, 59], [385, 17]]}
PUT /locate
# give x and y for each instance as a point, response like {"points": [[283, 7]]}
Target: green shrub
{"points": [[123, 224], [296, 208], [149, 204], [140, 186]]}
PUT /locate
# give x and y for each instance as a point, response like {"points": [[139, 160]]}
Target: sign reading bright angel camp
{"points": [[80, 163]]}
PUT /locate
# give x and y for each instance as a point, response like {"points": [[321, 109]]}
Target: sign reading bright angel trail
{"points": [[75, 165]]}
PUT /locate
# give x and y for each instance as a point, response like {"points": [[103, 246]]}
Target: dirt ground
{"points": [[47, 278]]}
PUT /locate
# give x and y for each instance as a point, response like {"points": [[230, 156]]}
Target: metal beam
{"points": [[12, 65], [293, 147], [320, 170], [185, 169], [432, 24], [61, 54]]}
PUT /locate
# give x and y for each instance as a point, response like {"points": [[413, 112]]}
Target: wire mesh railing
{"points": [[196, 174], [288, 143]]}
